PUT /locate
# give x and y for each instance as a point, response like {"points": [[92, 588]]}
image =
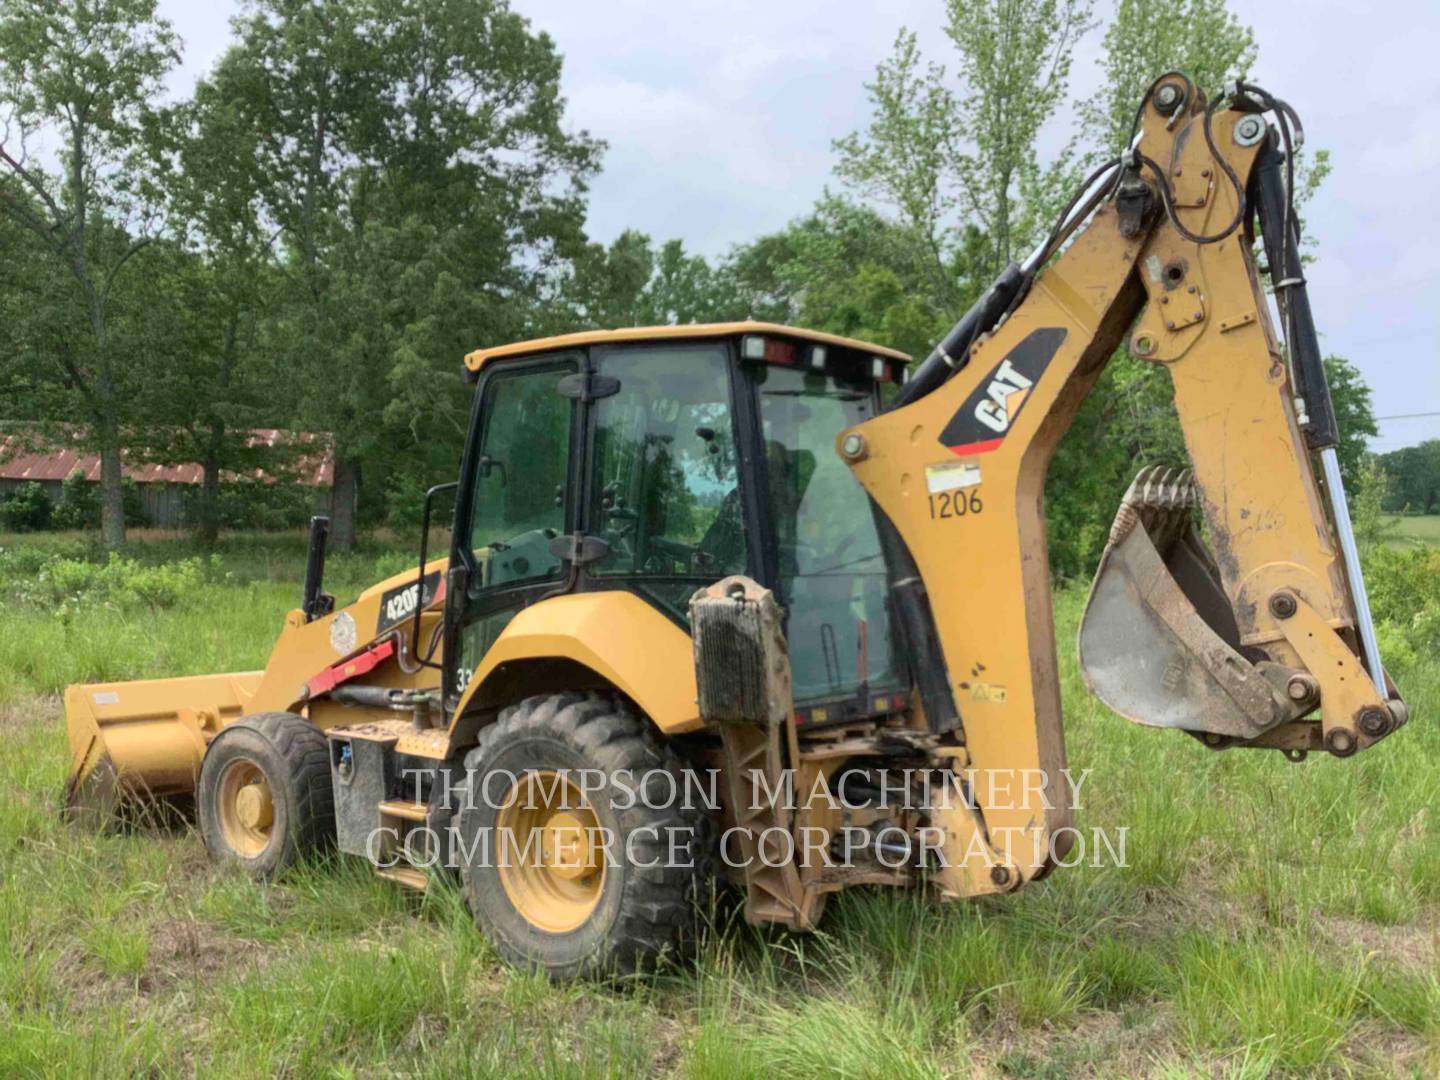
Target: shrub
{"points": [[27, 509], [117, 582], [79, 508], [80, 503], [1404, 587], [21, 564], [1403, 583], [395, 562], [256, 504], [405, 504], [132, 504]]}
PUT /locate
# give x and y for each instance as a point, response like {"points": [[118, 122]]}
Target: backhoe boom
{"points": [[1238, 648]]}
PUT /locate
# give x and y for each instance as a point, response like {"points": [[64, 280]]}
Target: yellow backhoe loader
{"points": [[746, 602]]}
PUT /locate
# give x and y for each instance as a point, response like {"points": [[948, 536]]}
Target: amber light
{"points": [[768, 350]]}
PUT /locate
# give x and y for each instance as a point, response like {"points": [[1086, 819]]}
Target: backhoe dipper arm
{"points": [[1236, 649]]}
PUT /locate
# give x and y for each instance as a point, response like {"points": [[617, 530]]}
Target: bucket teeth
{"points": [[1159, 641], [1159, 498]]}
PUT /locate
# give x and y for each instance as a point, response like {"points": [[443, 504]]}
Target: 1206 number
{"points": [[955, 504]]}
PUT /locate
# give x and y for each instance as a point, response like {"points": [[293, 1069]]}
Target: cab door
{"points": [[515, 502]]}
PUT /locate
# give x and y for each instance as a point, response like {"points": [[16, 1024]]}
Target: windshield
{"points": [[832, 578]]}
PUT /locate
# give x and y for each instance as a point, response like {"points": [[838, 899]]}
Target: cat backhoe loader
{"points": [[746, 603]]}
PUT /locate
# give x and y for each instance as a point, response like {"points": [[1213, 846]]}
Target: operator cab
{"points": [[660, 460]]}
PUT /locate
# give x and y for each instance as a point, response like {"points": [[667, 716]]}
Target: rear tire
{"points": [[265, 796], [610, 912]]}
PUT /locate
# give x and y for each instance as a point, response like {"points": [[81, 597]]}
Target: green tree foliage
{"points": [[1350, 397], [414, 162], [1414, 478], [78, 508], [82, 74], [633, 283], [26, 509], [361, 191], [1201, 38], [217, 286], [1014, 58], [903, 161], [959, 165], [848, 269], [1366, 498]]}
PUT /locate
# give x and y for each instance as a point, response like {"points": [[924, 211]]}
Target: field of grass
{"points": [[1271, 917], [1414, 529]]}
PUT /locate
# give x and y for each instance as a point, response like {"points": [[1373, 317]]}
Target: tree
{"points": [[1147, 38], [83, 73], [217, 288], [848, 269], [904, 160], [631, 283], [1014, 58], [687, 289], [960, 166], [606, 286], [1414, 474], [413, 160], [1354, 418]]}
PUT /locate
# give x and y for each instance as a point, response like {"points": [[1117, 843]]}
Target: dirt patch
{"points": [[182, 953], [1392, 1053], [190, 950], [24, 714], [1414, 947], [669, 1037], [1131, 1042]]}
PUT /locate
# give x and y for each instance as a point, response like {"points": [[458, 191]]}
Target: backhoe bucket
{"points": [[1158, 642], [144, 739]]}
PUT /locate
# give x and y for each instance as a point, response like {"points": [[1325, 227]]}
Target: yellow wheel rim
{"points": [[246, 808], [549, 851]]}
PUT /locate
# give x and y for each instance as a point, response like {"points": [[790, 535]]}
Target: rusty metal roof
{"points": [[30, 457]]}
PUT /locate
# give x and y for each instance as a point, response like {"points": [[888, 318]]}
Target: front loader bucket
{"points": [[144, 739], [1158, 641]]}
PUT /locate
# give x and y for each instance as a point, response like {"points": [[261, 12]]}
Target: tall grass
{"points": [[1269, 917]]}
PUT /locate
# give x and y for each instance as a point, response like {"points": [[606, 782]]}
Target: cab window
{"points": [[520, 476], [665, 493]]}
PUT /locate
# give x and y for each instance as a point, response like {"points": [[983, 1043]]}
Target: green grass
{"points": [[1271, 918], [1407, 530]]}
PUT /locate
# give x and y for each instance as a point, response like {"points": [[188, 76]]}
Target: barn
{"points": [[26, 459]]}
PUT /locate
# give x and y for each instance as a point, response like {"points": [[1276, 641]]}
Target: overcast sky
{"points": [[719, 118]]}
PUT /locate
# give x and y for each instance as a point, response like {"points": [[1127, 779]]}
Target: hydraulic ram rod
{"points": [[1341, 513], [1321, 432]]}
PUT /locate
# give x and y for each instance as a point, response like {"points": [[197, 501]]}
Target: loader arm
{"points": [[1239, 648]]}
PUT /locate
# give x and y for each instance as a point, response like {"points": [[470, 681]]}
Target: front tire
{"points": [[265, 796], [604, 861]]}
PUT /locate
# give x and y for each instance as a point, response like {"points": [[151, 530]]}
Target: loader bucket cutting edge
{"points": [[1158, 642], [143, 740]]}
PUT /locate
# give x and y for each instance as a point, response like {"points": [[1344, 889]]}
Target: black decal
{"points": [[398, 604], [981, 423]]}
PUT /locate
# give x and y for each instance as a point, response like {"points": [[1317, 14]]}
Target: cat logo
{"points": [[1007, 392], [981, 423]]}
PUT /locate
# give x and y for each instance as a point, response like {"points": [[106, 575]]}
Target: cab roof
{"points": [[689, 331]]}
